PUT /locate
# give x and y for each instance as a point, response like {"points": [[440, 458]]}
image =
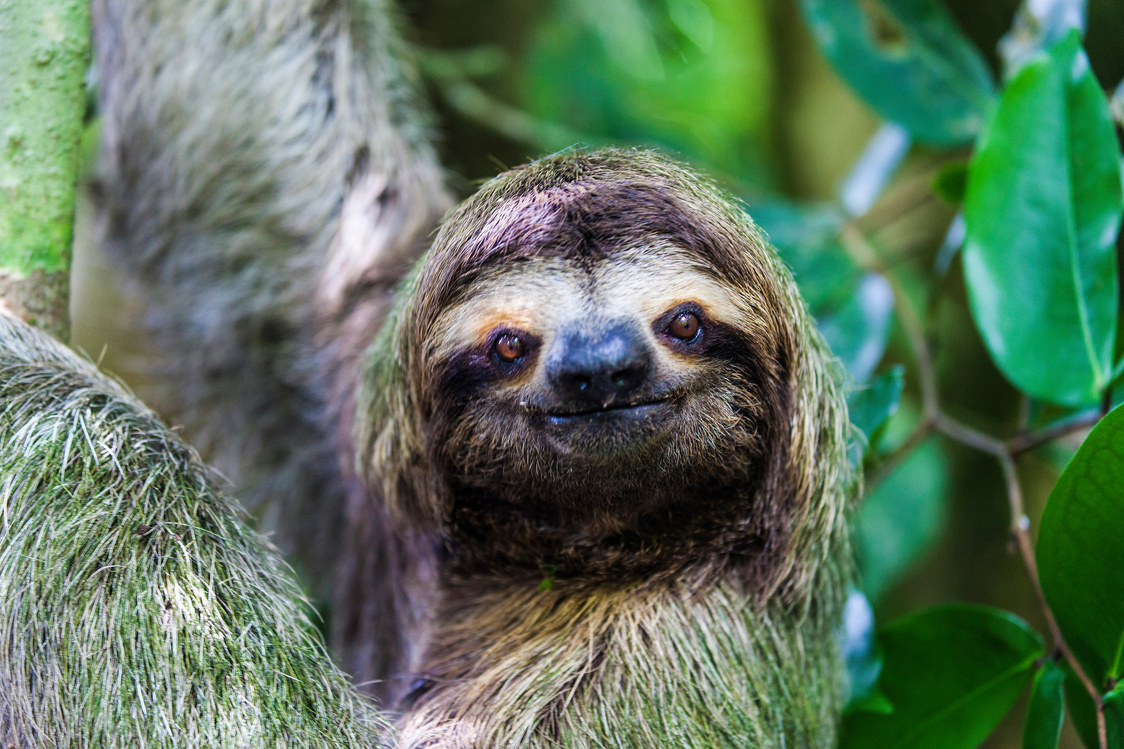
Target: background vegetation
{"points": [[944, 179]]}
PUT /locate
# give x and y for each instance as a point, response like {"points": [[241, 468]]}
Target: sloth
{"points": [[588, 486], [603, 415], [137, 609], [266, 178], [598, 427]]}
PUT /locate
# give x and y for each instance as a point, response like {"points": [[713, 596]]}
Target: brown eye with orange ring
{"points": [[684, 326], [509, 348]]}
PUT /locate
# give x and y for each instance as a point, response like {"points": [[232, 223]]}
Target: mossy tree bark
{"points": [[44, 52]]}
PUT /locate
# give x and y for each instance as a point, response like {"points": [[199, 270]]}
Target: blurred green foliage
{"points": [[691, 75], [950, 673]]}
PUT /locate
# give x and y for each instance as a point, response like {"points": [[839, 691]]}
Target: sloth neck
{"points": [[626, 665], [692, 534]]}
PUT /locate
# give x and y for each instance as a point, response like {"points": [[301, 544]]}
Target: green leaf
{"points": [[859, 331], [1080, 547], [1043, 210], [901, 519], [872, 406], [1081, 708], [694, 76], [951, 674], [951, 182], [1046, 708], [941, 86]]}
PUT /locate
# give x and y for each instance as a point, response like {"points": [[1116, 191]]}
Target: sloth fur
{"points": [[662, 566], [136, 608], [512, 570], [266, 179]]}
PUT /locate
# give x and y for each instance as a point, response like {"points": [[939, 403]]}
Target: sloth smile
{"points": [[611, 411]]}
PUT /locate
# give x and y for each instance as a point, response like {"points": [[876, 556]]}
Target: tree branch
{"points": [[44, 52], [1004, 451]]}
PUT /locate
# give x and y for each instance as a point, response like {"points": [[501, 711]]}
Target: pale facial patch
{"points": [[547, 295]]}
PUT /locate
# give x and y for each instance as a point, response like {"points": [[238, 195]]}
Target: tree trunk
{"points": [[44, 52]]}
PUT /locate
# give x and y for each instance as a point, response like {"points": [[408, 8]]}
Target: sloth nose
{"points": [[601, 369]]}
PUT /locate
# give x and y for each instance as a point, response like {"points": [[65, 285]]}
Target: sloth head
{"points": [[600, 365]]}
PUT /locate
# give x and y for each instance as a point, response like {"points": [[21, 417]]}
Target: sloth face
{"points": [[601, 365], [606, 334], [596, 361], [629, 373]]}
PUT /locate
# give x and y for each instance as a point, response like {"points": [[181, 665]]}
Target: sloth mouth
{"points": [[608, 431], [634, 410]]}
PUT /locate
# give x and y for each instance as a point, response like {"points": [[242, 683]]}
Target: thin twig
{"points": [[1020, 530], [1075, 423], [966, 435], [855, 244], [1004, 451]]}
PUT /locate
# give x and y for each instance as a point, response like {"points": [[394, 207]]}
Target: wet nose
{"points": [[601, 369]]}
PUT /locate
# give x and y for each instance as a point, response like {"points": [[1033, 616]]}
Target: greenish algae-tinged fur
{"points": [[136, 608]]}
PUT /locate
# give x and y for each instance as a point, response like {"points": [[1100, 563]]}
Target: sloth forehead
{"points": [[540, 295]]}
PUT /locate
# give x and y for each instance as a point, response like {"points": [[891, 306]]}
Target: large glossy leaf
{"points": [[1080, 547], [951, 674], [901, 519], [1043, 209], [1046, 708], [941, 86]]}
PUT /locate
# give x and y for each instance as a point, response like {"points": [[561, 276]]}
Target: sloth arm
{"points": [[136, 607]]}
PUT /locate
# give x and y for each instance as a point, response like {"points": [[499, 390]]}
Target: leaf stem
{"points": [[1029, 440], [855, 244], [934, 419]]}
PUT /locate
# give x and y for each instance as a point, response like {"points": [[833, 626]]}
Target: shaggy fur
{"points": [[267, 178], [677, 585], [136, 609]]}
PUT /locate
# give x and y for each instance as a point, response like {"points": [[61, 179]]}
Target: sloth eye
{"points": [[684, 326], [509, 348]]}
